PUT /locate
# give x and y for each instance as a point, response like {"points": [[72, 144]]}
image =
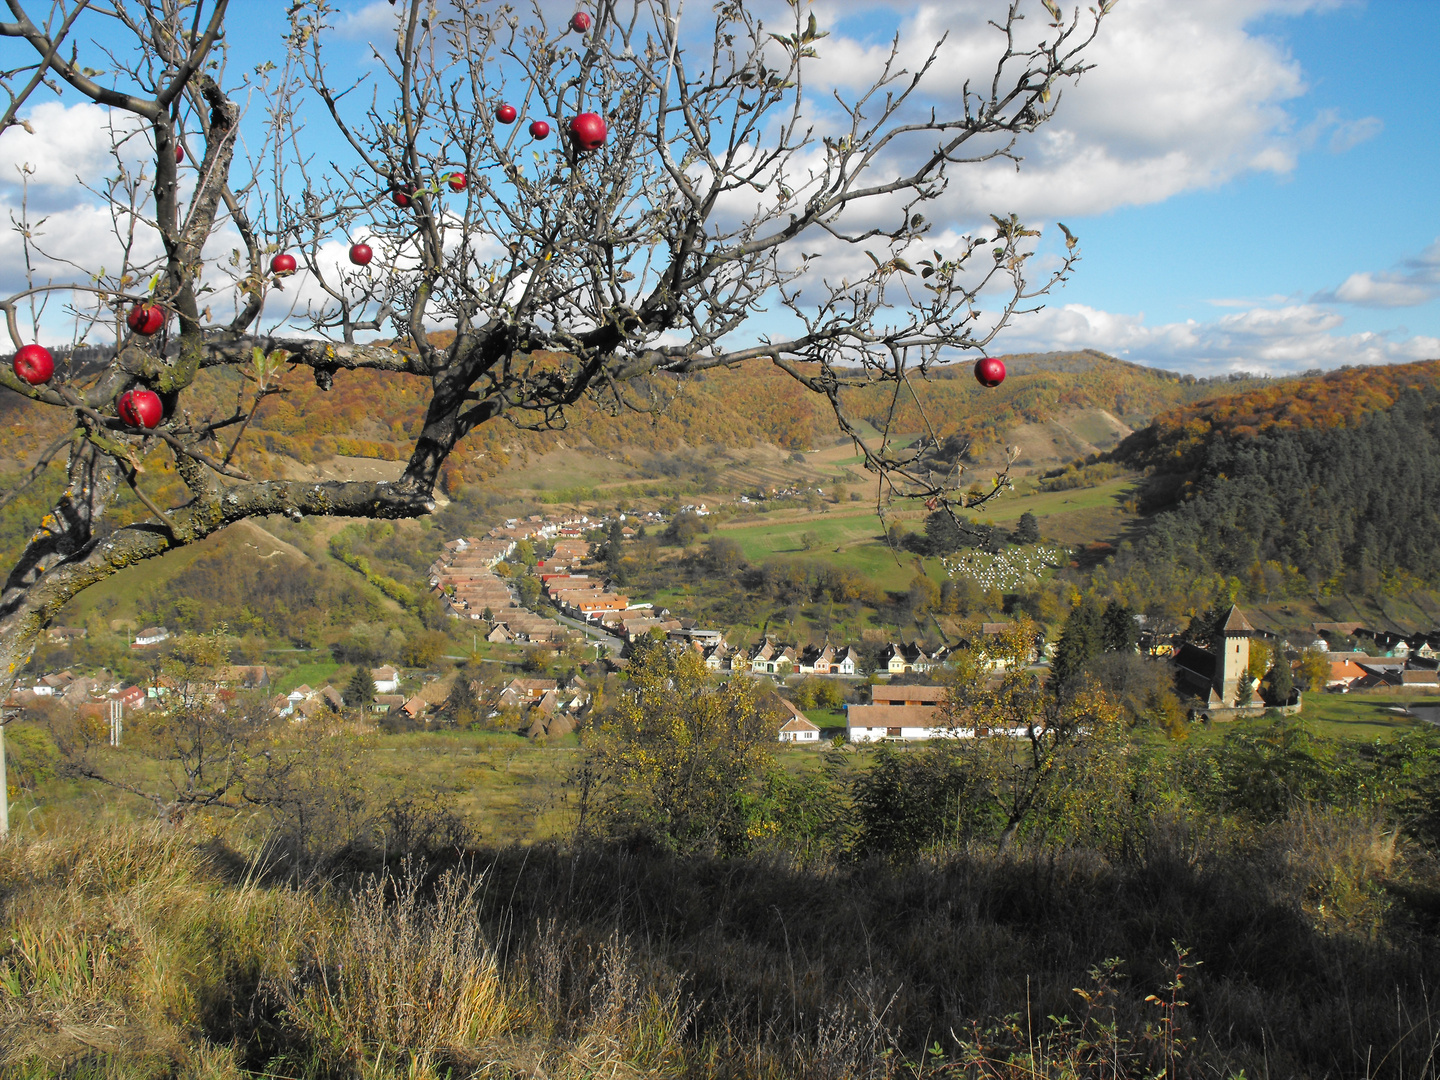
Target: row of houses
{"points": [[770, 657], [307, 703], [581, 596], [1360, 671], [1422, 646], [464, 580], [894, 714], [545, 527], [548, 708]]}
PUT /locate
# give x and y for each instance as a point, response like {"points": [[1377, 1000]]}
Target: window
{"points": [[892, 732]]}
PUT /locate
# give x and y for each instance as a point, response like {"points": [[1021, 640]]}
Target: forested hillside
{"points": [[1333, 484], [375, 414]]}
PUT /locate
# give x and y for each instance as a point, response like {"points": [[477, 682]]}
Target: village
{"points": [[533, 585]]}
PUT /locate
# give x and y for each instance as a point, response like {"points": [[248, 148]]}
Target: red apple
{"points": [[401, 195], [587, 132], [458, 181], [34, 364], [140, 408], [580, 22], [539, 129], [360, 254], [506, 114], [179, 154], [989, 371], [282, 265], [146, 319]]}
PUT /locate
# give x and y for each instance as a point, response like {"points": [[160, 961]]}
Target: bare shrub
{"points": [[404, 976]]}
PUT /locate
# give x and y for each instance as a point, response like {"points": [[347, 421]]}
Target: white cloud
{"points": [[80, 236], [70, 146], [1182, 97], [1275, 340], [1414, 281], [378, 17], [1347, 136]]}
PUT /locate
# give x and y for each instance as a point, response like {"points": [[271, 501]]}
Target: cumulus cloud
{"points": [[66, 148], [1182, 97], [1276, 340], [1412, 282], [378, 17]]}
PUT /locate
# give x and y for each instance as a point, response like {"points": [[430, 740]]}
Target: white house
{"points": [[152, 635], [770, 658], [876, 723], [386, 679], [844, 662], [799, 730], [894, 659]]}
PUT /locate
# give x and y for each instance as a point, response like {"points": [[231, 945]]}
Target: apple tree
{"points": [[589, 201]]}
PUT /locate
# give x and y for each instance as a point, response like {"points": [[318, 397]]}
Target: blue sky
{"points": [[1253, 187], [1276, 239]]}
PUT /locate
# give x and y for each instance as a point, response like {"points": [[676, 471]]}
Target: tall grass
{"points": [[1303, 948]]}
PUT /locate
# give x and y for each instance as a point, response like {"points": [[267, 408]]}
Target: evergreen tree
{"points": [[1027, 531], [1081, 640], [1118, 629], [942, 534], [360, 690], [462, 707], [1282, 683]]}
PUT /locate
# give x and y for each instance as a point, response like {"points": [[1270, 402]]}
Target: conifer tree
{"points": [[1081, 640], [1282, 683], [1118, 628], [1027, 530], [360, 690]]}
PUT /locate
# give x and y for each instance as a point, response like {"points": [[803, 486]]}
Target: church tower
{"points": [[1232, 655]]}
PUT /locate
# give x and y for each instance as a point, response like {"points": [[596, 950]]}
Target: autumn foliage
{"points": [[1176, 439]]}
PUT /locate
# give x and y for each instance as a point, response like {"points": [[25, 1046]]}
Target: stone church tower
{"points": [[1232, 656]]}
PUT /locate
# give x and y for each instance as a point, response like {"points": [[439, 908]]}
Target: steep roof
{"points": [[1197, 660], [901, 716], [1236, 624], [798, 723], [910, 695]]}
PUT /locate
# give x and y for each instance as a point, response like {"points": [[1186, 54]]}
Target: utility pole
{"points": [[116, 720]]}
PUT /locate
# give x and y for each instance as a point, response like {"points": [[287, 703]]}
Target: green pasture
{"points": [[1362, 716], [1045, 504], [313, 673], [512, 788], [849, 540]]}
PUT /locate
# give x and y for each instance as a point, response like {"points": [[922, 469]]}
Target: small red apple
{"points": [[539, 129], [506, 114], [458, 181], [34, 364], [140, 408], [360, 254], [580, 22], [989, 371], [146, 319], [587, 132], [282, 265], [401, 195], [179, 154]]}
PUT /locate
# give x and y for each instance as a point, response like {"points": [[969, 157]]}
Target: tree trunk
{"points": [[4, 790]]}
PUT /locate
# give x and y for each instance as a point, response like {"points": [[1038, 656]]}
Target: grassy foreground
{"points": [[1305, 948]]}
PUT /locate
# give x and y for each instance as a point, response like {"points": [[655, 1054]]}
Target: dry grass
{"points": [[404, 970], [135, 952], [129, 943]]}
